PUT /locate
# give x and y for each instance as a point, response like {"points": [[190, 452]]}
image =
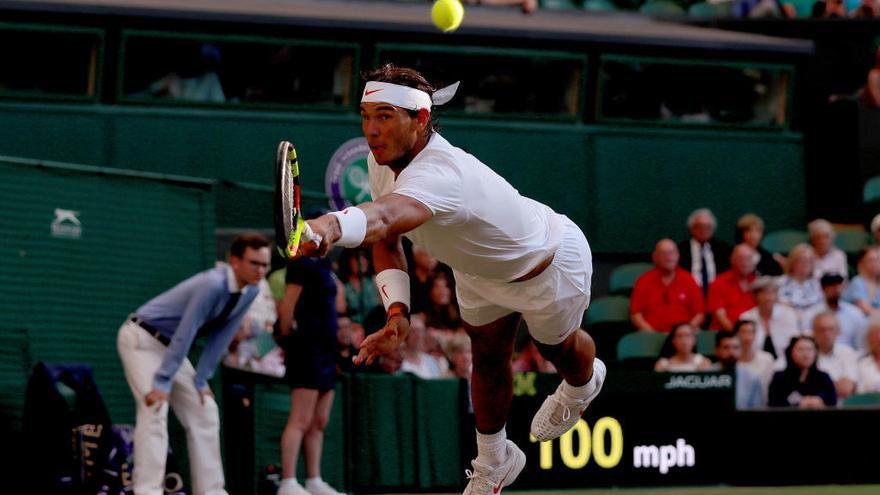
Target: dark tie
{"points": [[220, 319], [769, 347], [704, 275]]}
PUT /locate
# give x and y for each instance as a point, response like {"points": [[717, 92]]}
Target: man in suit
{"points": [[703, 255]]}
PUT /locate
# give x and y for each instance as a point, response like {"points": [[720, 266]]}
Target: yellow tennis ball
{"points": [[447, 14]]}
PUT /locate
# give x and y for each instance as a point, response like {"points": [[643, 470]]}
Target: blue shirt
{"points": [[749, 389], [857, 290], [179, 312]]}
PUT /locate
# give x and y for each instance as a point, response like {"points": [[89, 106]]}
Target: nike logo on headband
{"points": [[367, 93]]}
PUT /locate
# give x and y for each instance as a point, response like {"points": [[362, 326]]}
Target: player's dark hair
{"points": [[723, 335], [244, 241], [404, 76]]}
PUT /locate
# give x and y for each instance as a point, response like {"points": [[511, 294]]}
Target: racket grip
{"points": [[310, 235]]}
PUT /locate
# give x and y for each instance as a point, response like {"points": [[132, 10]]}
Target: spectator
{"points": [[798, 288], [875, 226], [775, 324], [853, 323], [862, 290], [838, 360], [869, 366], [829, 259], [153, 345], [731, 293], [749, 388], [871, 97], [443, 311], [666, 294], [702, 254], [196, 80], [424, 266], [680, 352], [750, 230], [829, 8], [360, 291], [801, 384], [458, 351], [346, 343], [759, 361], [415, 358], [307, 331], [866, 10]]}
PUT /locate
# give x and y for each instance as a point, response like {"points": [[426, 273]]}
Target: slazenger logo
{"points": [[665, 456], [66, 224], [347, 181], [699, 381]]}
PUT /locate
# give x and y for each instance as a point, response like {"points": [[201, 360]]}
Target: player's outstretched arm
{"points": [[388, 216]]}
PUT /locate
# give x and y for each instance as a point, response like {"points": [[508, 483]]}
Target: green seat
{"points": [[706, 10], [862, 400], [803, 8], [608, 309], [661, 8], [607, 321], [264, 343], [599, 6], [871, 191], [706, 342], [781, 241], [851, 242], [623, 278], [560, 4], [640, 345]]}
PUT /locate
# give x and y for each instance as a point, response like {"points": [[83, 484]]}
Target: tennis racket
{"points": [[290, 226]]}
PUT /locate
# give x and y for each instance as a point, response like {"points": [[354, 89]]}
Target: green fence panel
{"points": [[383, 432], [84, 247], [438, 442]]}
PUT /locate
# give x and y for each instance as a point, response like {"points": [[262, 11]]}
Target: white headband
{"points": [[406, 97]]}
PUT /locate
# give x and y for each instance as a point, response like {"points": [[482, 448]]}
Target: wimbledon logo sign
{"points": [[347, 181]]}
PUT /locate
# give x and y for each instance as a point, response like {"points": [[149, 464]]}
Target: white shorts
{"points": [[553, 303]]}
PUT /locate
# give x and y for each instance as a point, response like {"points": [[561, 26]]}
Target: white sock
{"points": [[580, 392], [492, 447], [312, 481], [289, 482]]}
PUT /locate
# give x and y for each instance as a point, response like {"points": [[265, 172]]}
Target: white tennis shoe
{"points": [[489, 480], [559, 412], [320, 487], [291, 487]]}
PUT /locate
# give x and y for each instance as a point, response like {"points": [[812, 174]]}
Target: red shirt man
{"points": [[730, 295], [666, 294]]}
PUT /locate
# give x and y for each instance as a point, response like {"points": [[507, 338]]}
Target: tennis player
{"points": [[512, 258], [153, 345]]}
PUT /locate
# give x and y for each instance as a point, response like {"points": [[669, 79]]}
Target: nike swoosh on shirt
{"points": [[368, 93], [384, 291]]}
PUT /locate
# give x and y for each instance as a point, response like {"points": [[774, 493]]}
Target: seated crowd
{"points": [[795, 325]]}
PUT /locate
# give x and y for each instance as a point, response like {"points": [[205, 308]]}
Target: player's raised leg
{"points": [[499, 461], [582, 377]]}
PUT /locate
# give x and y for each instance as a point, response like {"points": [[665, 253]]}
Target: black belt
{"points": [[150, 329]]}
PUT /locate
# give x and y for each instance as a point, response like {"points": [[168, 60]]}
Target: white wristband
{"points": [[393, 286], [353, 225]]}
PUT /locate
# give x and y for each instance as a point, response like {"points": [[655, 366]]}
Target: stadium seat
{"points": [[871, 191], [862, 400], [640, 350], [623, 278], [706, 10], [661, 8], [560, 4], [607, 321], [599, 6], [781, 241], [803, 8], [851, 241], [706, 342]]}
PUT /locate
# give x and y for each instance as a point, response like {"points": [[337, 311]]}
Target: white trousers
{"points": [[141, 356]]}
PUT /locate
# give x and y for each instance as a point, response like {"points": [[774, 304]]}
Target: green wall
{"points": [[69, 293], [626, 186]]}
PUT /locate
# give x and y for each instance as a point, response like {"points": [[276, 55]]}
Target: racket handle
{"points": [[310, 235]]}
